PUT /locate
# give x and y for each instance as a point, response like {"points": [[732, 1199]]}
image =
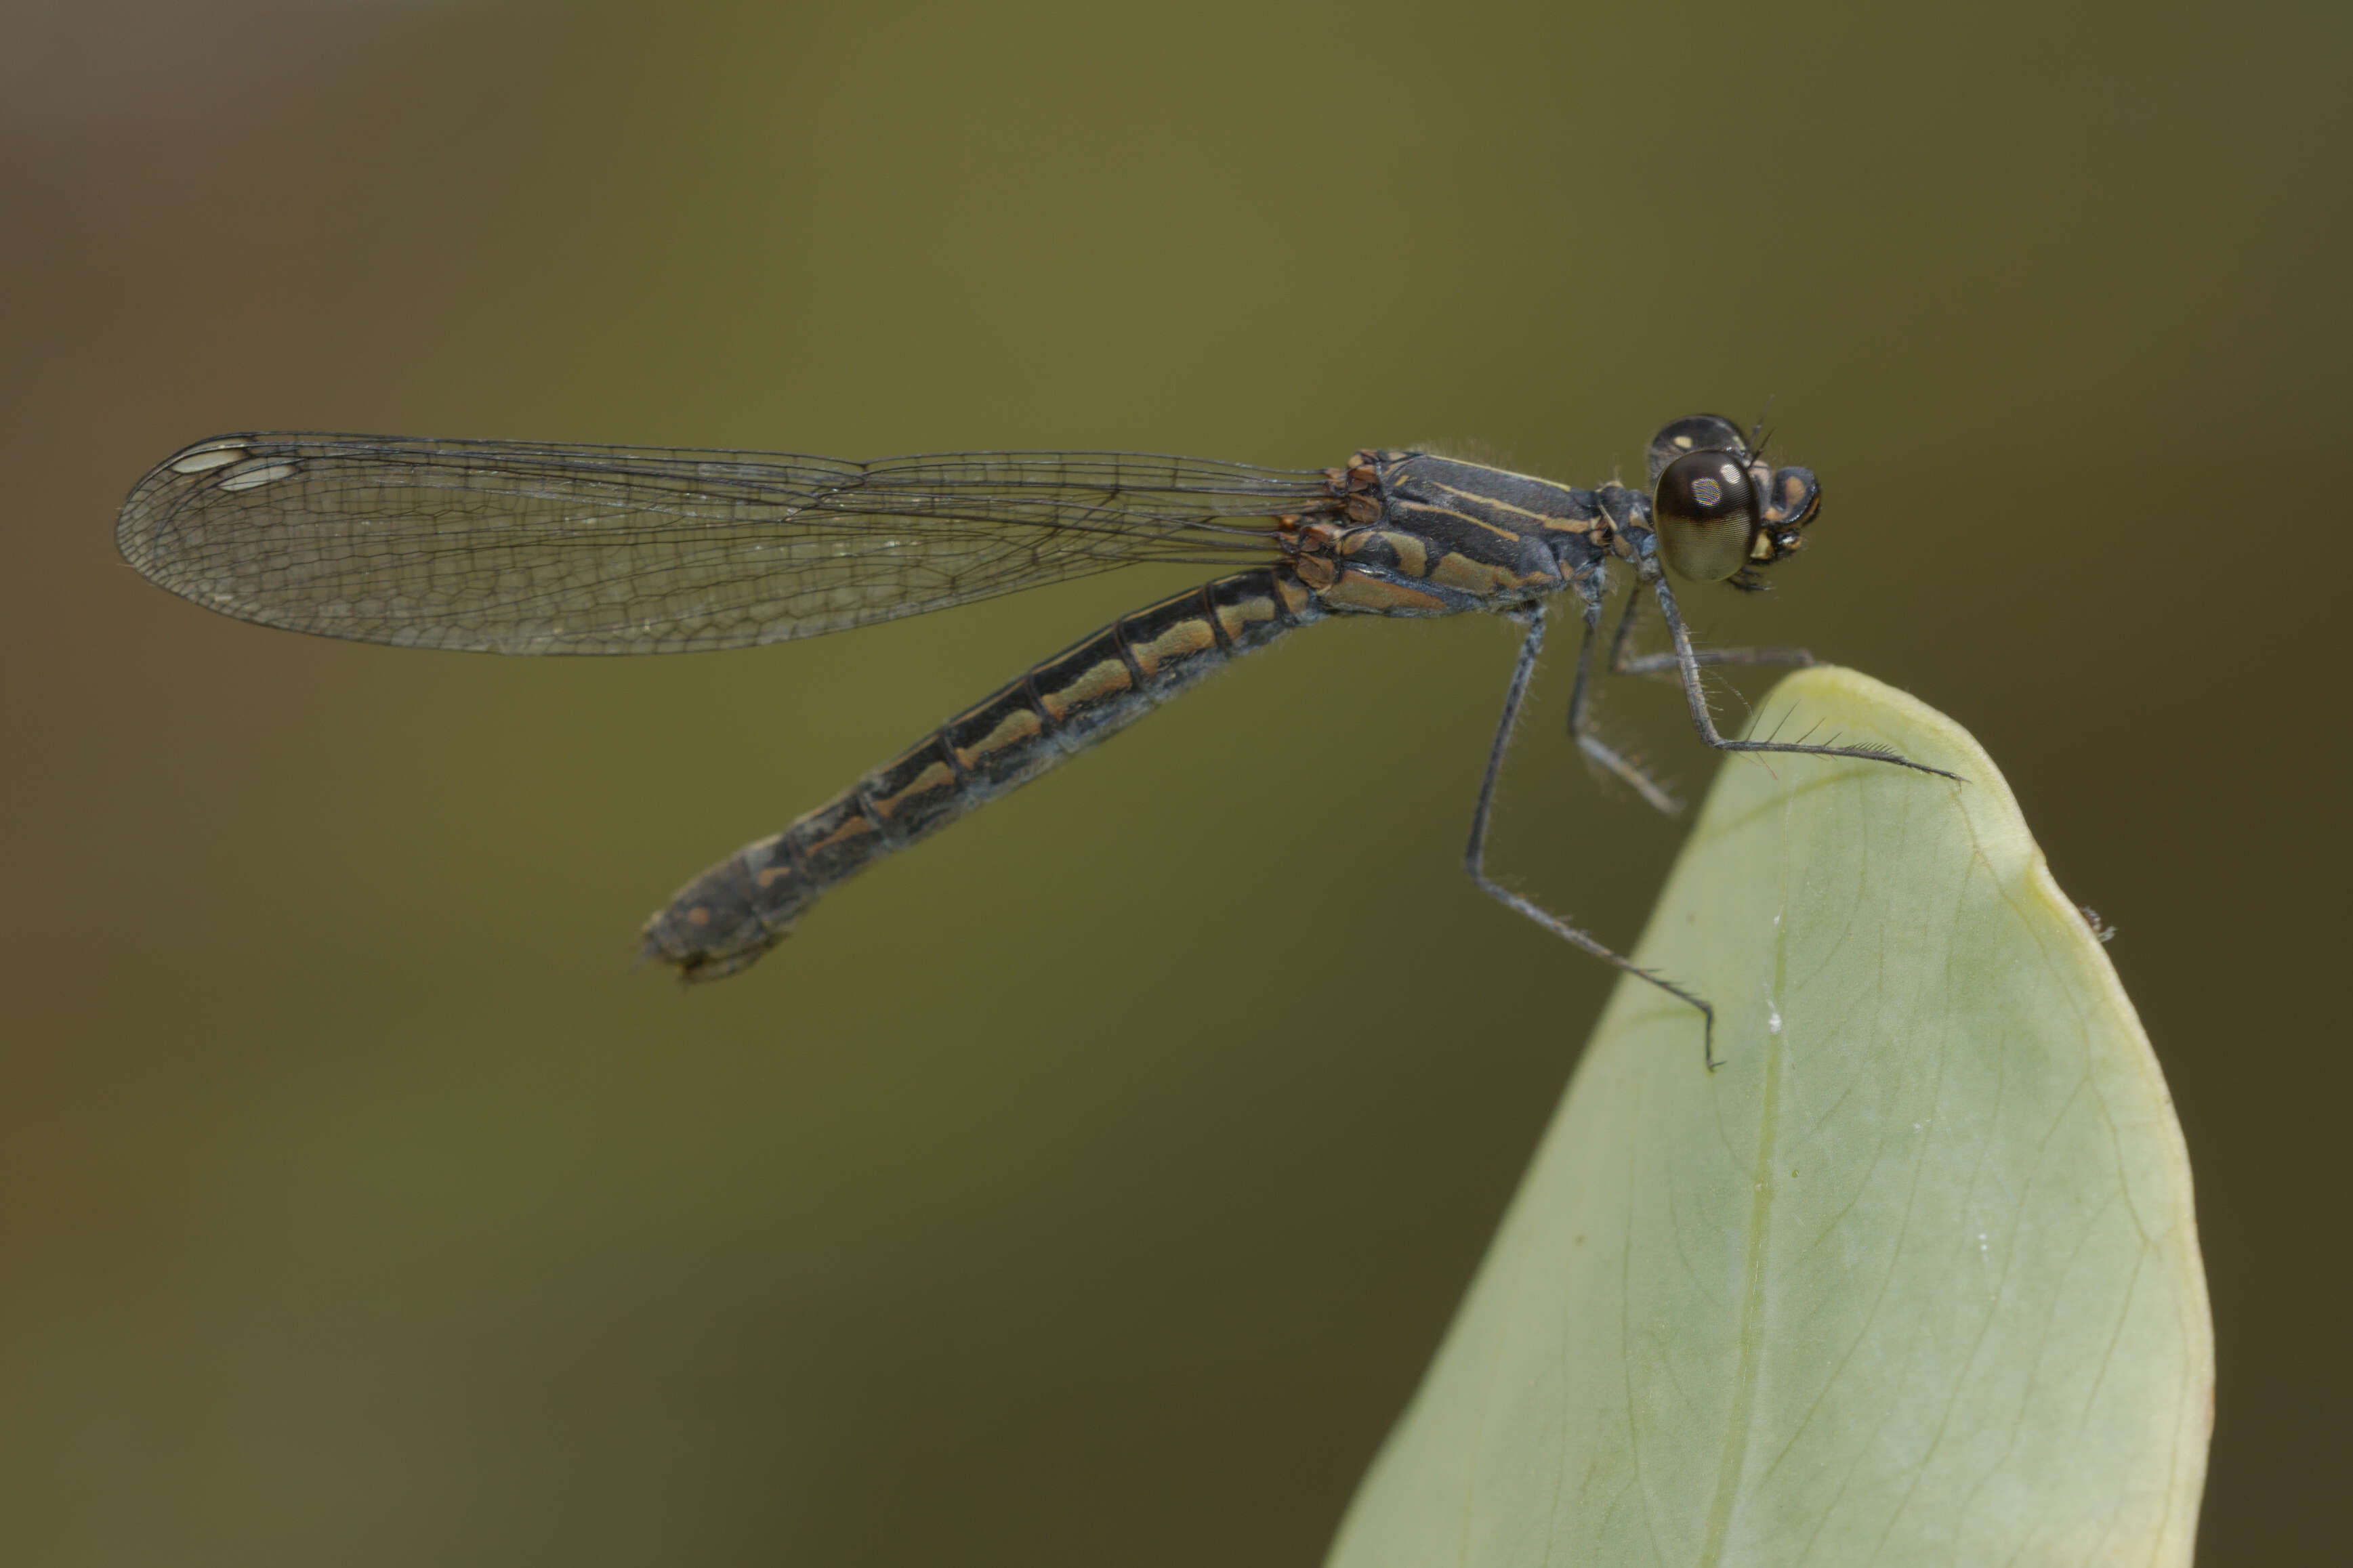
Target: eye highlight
{"points": [[1706, 510]]}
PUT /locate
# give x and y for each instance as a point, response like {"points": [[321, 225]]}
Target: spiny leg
{"points": [[1580, 726], [1688, 663], [1475, 855]]}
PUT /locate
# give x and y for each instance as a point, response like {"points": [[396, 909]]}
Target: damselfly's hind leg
{"points": [[1688, 664], [1475, 855]]}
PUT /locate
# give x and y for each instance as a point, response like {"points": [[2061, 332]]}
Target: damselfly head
{"points": [[1721, 513]]}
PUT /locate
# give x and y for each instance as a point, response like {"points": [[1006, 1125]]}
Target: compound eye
{"points": [[1705, 510], [1698, 433]]}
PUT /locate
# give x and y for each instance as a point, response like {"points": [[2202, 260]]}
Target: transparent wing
{"points": [[513, 547]]}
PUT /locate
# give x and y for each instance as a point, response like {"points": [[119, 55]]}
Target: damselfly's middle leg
{"points": [[1475, 855]]}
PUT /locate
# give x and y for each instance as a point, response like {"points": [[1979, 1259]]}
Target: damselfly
{"points": [[511, 547]]}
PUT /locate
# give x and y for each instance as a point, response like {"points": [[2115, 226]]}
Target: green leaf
{"points": [[1913, 1279]]}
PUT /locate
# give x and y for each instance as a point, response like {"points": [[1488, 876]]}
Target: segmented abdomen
{"points": [[724, 920]]}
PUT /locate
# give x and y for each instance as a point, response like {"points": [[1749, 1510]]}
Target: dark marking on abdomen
{"points": [[726, 918]]}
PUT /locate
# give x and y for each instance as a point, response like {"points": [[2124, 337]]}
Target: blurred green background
{"points": [[1092, 1185]]}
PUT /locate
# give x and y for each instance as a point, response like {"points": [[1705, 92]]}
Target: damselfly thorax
{"points": [[511, 547]]}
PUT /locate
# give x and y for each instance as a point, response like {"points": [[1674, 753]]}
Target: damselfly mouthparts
{"points": [[511, 547]]}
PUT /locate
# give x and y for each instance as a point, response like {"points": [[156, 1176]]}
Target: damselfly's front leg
{"points": [[1688, 663], [1474, 855]]}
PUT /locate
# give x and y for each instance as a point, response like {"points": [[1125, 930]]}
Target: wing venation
{"points": [[516, 547]]}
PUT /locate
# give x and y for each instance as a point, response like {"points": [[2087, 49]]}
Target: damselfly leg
{"points": [[1475, 854], [1689, 662]]}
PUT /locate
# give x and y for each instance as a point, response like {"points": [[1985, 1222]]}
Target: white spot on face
{"points": [[1772, 1019], [258, 474], [205, 457]]}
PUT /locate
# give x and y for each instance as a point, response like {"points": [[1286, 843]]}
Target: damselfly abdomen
{"points": [[511, 547]]}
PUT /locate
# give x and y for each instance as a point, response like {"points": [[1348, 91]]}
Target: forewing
{"points": [[511, 547]]}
